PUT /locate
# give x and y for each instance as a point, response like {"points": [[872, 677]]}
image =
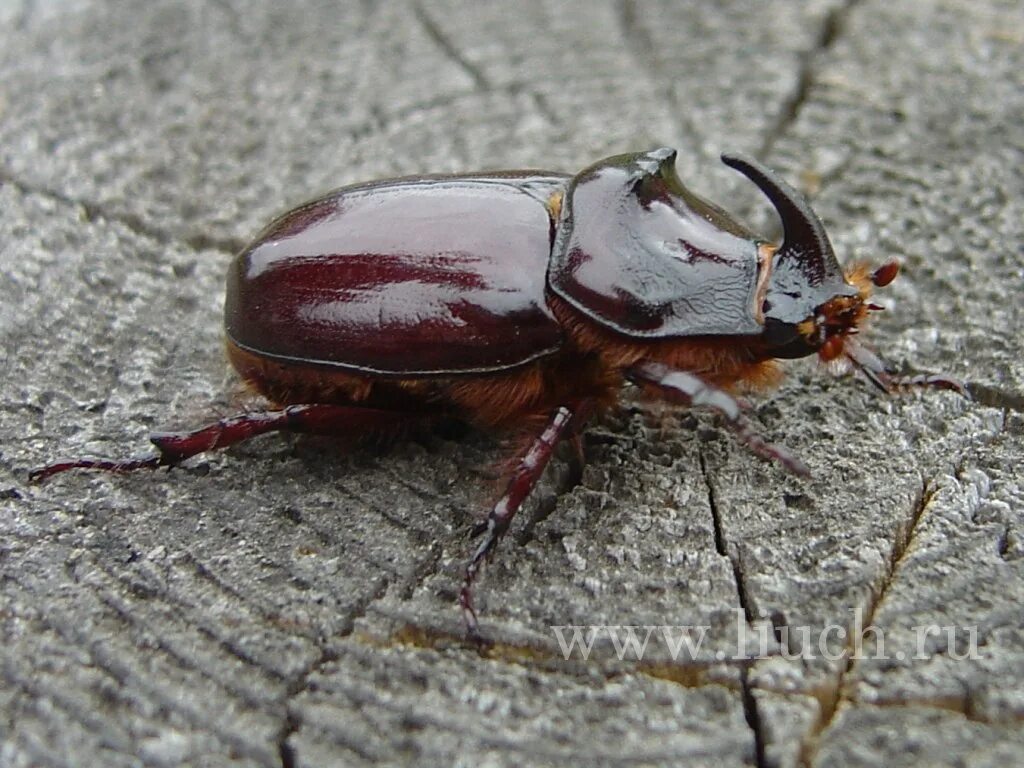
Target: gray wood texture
{"points": [[284, 604]]}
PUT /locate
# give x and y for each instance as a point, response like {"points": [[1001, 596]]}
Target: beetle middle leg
{"points": [[689, 389], [175, 447], [564, 422]]}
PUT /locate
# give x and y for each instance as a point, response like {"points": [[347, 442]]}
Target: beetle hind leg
{"points": [[149, 461], [689, 389], [175, 447]]}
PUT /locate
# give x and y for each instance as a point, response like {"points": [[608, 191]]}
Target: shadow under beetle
{"points": [[526, 299]]}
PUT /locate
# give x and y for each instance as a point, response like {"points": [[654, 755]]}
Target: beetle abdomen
{"points": [[404, 278]]}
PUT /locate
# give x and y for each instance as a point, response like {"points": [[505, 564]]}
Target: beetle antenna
{"points": [[804, 239], [886, 273]]}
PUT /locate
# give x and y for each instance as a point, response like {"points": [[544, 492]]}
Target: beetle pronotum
{"points": [[526, 297]]}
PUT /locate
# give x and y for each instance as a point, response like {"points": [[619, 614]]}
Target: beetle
{"points": [[527, 298]]}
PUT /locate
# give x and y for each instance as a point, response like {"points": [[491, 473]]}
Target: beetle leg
{"points": [[523, 480], [690, 389], [175, 447], [577, 459], [876, 371]]}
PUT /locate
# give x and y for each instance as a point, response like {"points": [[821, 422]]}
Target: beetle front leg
{"points": [[523, 480], [689, 389], [175, 447], [878, 373]]}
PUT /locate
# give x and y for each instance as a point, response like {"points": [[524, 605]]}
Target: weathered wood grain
{"points": [[284, 604]]}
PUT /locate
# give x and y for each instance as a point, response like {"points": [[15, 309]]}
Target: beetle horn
{"points": [[804, 239]]}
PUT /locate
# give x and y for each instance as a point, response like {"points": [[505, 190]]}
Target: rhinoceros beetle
{"points": [[527, 299]]}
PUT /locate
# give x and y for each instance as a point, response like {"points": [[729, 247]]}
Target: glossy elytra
{"points": [[527, 298]]}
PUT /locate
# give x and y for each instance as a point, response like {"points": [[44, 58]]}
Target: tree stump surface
{"points": [[286, 604]]}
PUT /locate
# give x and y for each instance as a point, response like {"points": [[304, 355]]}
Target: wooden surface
{"points": [[284, 604]]}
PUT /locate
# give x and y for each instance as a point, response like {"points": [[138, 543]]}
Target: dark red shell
{"points": [[453, 274], [638, 252], [415, 276]]}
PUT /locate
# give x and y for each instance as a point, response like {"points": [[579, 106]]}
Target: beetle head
{"points": [[809, 304]]}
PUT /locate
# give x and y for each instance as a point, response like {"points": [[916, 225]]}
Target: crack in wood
{"points": [[643, 50], [542, 659], [544, 108], [1003, 543], [725, 549], [962, 705], [449, 49], [753, 717], [24, 17], [366, 696], [834, 695], [381, 121], [295, 685], [750, 709], [285, 751], [692, 676], [830, 30], [292, 722], [780, 629]]}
